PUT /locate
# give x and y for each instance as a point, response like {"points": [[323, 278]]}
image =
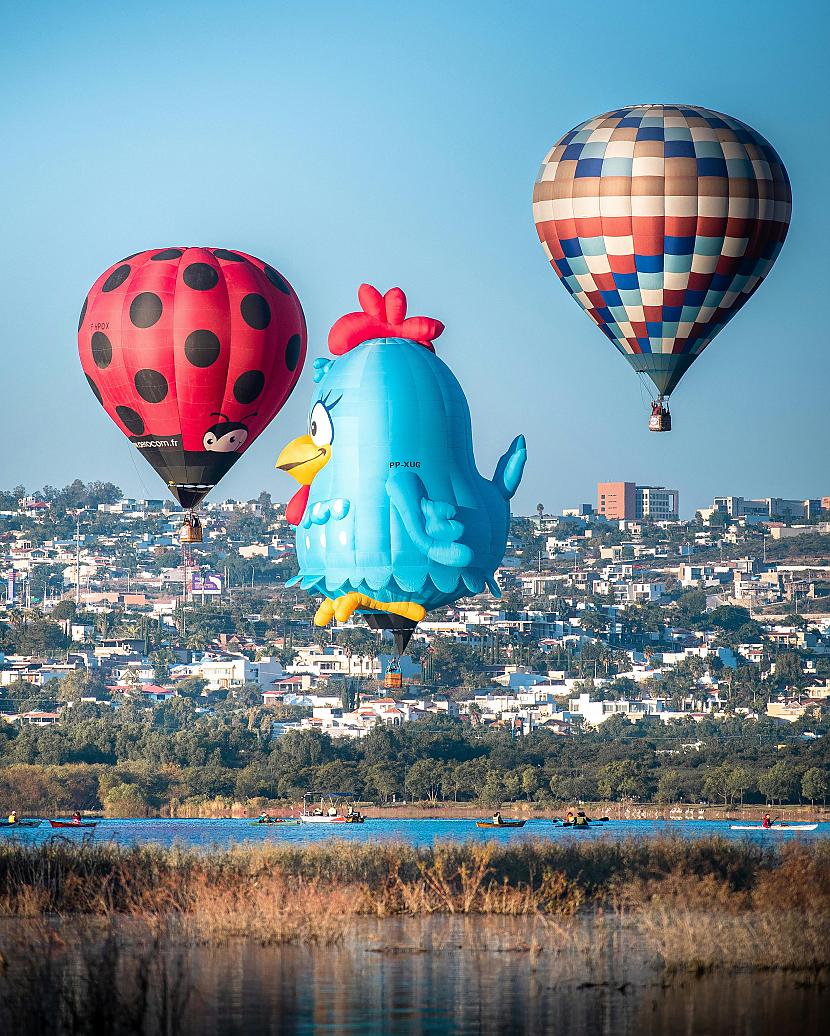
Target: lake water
{"points": [[438, 976], [226, 833]]}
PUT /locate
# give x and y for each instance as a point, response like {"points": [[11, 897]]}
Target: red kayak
{"points": [[73, 823]]}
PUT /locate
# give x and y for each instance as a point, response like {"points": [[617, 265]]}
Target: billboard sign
{"points": [[205, 583]]}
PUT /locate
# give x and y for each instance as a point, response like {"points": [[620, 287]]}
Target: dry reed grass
{"points": [[312, 894]]}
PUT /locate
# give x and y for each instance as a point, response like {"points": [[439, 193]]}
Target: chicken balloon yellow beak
{"points": [[303, 458]]}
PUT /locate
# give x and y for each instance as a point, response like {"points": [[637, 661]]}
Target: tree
{"points": [[778, 783], [815, 784], [40, 637], [716, 782], [738, 780], [191, 687], [162, 660], [727, 617], [64, 610], [492, 790], [80, 684], [349, 694], [613, 778], [530, 781], [382, 779], [422, 780], [669, 786], [788, 669]]}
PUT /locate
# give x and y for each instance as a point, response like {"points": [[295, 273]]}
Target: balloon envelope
{"points": [[661, 221], [393, 506], [192, 352]]}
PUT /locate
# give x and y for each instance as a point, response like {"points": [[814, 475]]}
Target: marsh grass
{"points": [[698, 903], [101, 938]]}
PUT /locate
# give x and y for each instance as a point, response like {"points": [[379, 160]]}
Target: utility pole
{"points": [[78, 561]]}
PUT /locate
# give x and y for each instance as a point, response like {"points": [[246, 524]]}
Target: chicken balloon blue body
{"points": [[393, 515]]}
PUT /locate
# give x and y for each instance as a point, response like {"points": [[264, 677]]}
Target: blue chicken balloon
{"points": [[393, 518]]}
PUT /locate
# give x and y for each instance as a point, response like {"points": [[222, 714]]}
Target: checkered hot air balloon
{"points": [[661, 220]]}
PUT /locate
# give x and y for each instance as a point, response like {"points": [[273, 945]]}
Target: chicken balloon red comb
{"points": [[382, 316]]}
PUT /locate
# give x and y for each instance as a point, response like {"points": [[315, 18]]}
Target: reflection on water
{"points": [[455, 976], [438, 976]]}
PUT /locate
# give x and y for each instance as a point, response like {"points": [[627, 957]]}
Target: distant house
{"points": [[285, 685], [154, 692], [37, 719]]}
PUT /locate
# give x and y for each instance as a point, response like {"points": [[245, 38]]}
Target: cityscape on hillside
{"points": [[617, 613]]}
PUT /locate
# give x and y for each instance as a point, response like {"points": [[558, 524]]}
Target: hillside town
{"points": [[616, 610]]}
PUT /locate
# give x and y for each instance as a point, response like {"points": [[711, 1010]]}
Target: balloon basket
{"points": [[660, 420], [191, 530]]}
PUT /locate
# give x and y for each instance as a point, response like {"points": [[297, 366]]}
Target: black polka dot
{"points": [[200, 277], [101, 350], [116, 278], [131, 419], [168, 253], [83, 313], [145, 309], [201, 348], [150, 385], [95, 389], [276, 279], [127, 258], [292, 352], [255, 311], [230, 257], [248, 386]]}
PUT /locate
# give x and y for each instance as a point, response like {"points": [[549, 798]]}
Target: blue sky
{"points": [[398, 144]]}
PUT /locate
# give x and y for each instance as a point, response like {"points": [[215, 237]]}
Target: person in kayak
{"points": [[766, 822], [13, 817], [76, 817], [497, 818], [569, 817], [580, 820]]}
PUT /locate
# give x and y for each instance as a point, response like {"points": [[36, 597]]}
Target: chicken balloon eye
{"points": [[320, 427]]}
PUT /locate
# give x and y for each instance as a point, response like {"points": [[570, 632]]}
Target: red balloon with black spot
{"points": [[192, 352]]}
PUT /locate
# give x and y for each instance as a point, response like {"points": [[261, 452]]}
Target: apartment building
{"points": [[626, 501]]}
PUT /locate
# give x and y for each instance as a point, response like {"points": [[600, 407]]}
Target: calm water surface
{"points": [[455, 977], [438, 976], [225, 833]]}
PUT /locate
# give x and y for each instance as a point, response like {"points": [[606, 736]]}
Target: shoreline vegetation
{"points": [[308, 893], [221, 808], [100, 937]]}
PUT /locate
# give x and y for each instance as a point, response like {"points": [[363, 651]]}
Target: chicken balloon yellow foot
{"points": [[343, 607]]}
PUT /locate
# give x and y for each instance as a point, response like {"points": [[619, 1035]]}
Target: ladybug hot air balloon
{"points": [[662, 220], [192, 352]]}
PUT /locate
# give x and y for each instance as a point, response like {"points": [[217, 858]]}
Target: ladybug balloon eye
{"points": [[320, 427]]}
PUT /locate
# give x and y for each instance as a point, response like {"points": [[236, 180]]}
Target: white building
{"points": [[657, 503], [236, 670]]}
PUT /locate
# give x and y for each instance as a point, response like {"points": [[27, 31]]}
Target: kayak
{"points": [[775, 827], [72, 823], [504, 823], [20, 823], [589, 822]]}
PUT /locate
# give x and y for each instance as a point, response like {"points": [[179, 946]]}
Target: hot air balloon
{"points": [[661, 220], [393, 518], [191, 352]]}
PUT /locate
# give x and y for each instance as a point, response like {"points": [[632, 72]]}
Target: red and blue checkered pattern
{"points": [[661, 221]]}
